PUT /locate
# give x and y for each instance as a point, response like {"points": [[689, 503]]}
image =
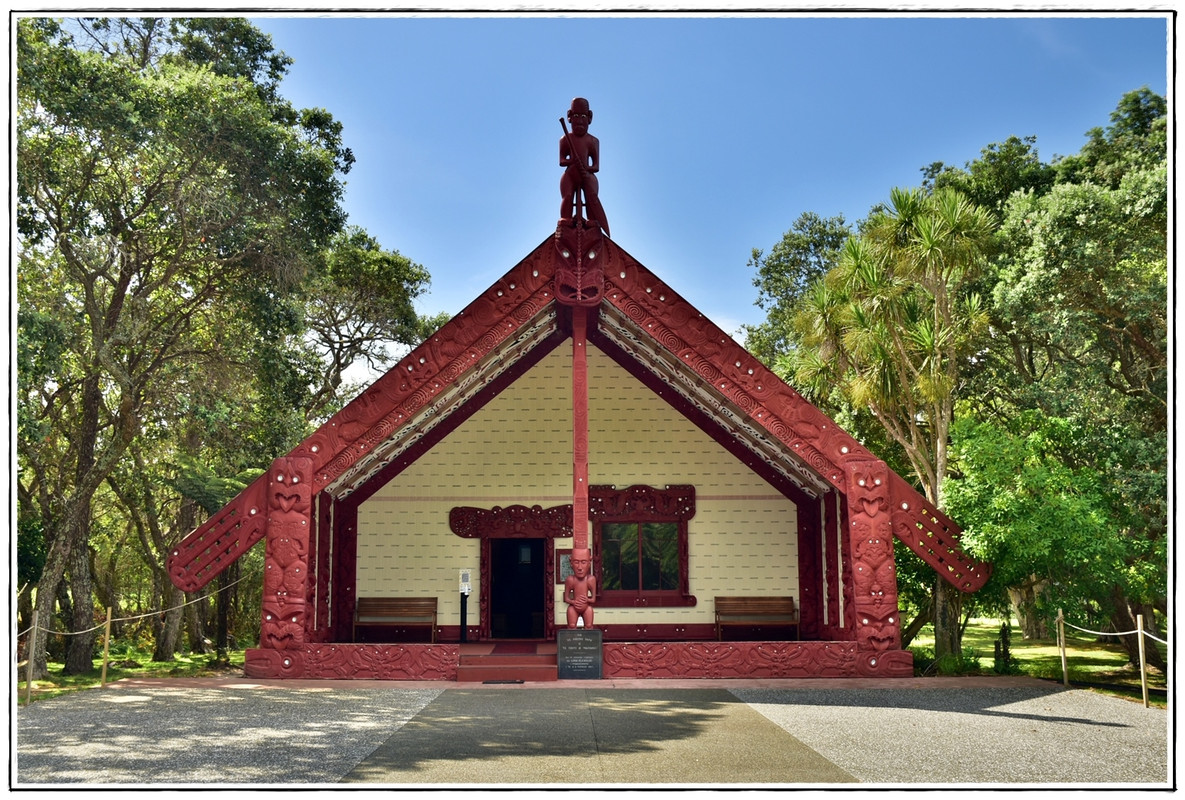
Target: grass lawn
{"points": [[1088, 661], [127, 665]]}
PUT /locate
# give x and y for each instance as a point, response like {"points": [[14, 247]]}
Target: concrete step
{"points": [[507, 667]]}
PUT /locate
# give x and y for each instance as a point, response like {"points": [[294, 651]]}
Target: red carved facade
{"points": [[850, 505]]}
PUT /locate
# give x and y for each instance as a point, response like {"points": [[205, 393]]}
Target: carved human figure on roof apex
{"points": [[580, 156]]}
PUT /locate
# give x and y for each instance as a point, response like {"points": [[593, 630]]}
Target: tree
{"points": [[892, 328], [355, 306], [147, 185], [1080, 334], [1034, 504], [1002, 169], [807, 251]]}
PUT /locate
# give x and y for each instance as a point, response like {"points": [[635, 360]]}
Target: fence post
{"points": [[1143, 664], [29, 660], [1061, 644], [106, 649]]}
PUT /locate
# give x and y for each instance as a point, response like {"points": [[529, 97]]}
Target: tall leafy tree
{"points": [[1079, 311], [806, 252], [1002, 169], [892, 328], [149, 186]]}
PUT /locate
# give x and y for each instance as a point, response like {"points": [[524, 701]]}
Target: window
{"points": [[640, 544]]}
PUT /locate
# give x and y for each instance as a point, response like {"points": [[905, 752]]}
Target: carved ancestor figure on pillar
{"points": [[582, 233], [580, 589], [580, 156]]}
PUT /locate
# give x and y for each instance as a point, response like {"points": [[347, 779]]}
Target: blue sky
{"points": [[716, 132]]}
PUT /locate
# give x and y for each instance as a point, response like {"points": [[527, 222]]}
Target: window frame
{"points": [[638, 505]]}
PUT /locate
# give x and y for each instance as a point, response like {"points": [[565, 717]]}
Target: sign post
{"points": [[466, 589]]}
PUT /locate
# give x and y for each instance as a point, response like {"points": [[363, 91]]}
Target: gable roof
{"points": [[642, 324]]}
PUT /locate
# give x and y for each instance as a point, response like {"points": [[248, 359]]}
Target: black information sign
{"points": [[578, 653]]}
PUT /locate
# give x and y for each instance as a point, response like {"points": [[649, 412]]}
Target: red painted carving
{"points": [[286, 573], [437, 662], [638, 502], [580, 156], [934, 537], [582, 254], [874, 573], [751, 660], [580, 589], [511, 522], [216, 544], [580, 429]]}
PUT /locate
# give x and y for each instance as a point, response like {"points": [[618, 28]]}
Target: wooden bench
{"points": [[754, 611], [396, 612]]}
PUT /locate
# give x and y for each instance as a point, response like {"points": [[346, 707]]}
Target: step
{"points": [[481, 673], [507, 667]]}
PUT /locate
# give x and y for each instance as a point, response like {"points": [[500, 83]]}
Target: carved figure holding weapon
{"points": [[580, 155]]}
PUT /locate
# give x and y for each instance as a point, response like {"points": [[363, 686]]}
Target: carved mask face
{"points": [[580, 566]]}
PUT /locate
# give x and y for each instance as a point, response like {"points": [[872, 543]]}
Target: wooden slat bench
{"points": [[396, 612], [754, 611]]}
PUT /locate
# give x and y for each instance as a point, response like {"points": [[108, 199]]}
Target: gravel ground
{"points": [[1010, 736], [207, 736], [221, 737]]}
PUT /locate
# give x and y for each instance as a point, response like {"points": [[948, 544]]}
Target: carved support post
{"points": [[874, 571], [579, 428], [286, 572]]}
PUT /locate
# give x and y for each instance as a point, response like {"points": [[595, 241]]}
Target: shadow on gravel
{"points": [[988, 702]]}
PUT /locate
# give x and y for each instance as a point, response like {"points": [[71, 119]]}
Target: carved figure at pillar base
{"points": [[580, 590]]}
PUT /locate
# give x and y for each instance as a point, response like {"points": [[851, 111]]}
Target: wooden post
{"points": [[29, 660], [579, 428], [1143, 663], [106, 649], [1061, 643]]}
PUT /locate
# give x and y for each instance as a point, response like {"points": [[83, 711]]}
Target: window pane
{"points": [[619, 555], [660, 555]]}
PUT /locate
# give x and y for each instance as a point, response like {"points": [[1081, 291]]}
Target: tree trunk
{"points": [[80, 647], [1024, 600], [47, 591], [948, 607], [221, 650], [196, 617], [926, 615], [1123, 620], [168, 631]]}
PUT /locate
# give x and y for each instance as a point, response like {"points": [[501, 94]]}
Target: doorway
{"points": [[516, 588]]}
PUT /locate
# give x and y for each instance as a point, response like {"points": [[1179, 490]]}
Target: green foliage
{"points": [[806, 252], [1048, 338], [1002, 169], [1002, 661], [1028, 509], [180, 233], [889, 326], [964, 662]]}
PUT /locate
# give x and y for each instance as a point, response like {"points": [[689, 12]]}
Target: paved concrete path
{"points": [[630, 736], [940, 732]]}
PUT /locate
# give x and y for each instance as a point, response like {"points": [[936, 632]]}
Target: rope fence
{"points": [[106, 626], [1061, 643]]}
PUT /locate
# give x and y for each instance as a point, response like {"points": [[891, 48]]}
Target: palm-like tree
{"points": [[893, 325]]}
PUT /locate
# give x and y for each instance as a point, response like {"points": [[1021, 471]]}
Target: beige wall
{"points": [[518, 450]]}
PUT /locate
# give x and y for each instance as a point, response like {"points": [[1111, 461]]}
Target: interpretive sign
{"points": [[578, 654]]}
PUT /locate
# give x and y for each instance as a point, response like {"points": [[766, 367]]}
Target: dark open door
{"points": [[516, 588]]}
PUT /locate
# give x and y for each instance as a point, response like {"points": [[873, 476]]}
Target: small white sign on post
{"points": [[466, 582]]}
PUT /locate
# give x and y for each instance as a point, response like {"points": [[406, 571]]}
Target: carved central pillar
{"points": [[579, 428]]}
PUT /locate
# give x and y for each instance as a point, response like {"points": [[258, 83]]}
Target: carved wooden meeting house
{"points": [[579, 411]]}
